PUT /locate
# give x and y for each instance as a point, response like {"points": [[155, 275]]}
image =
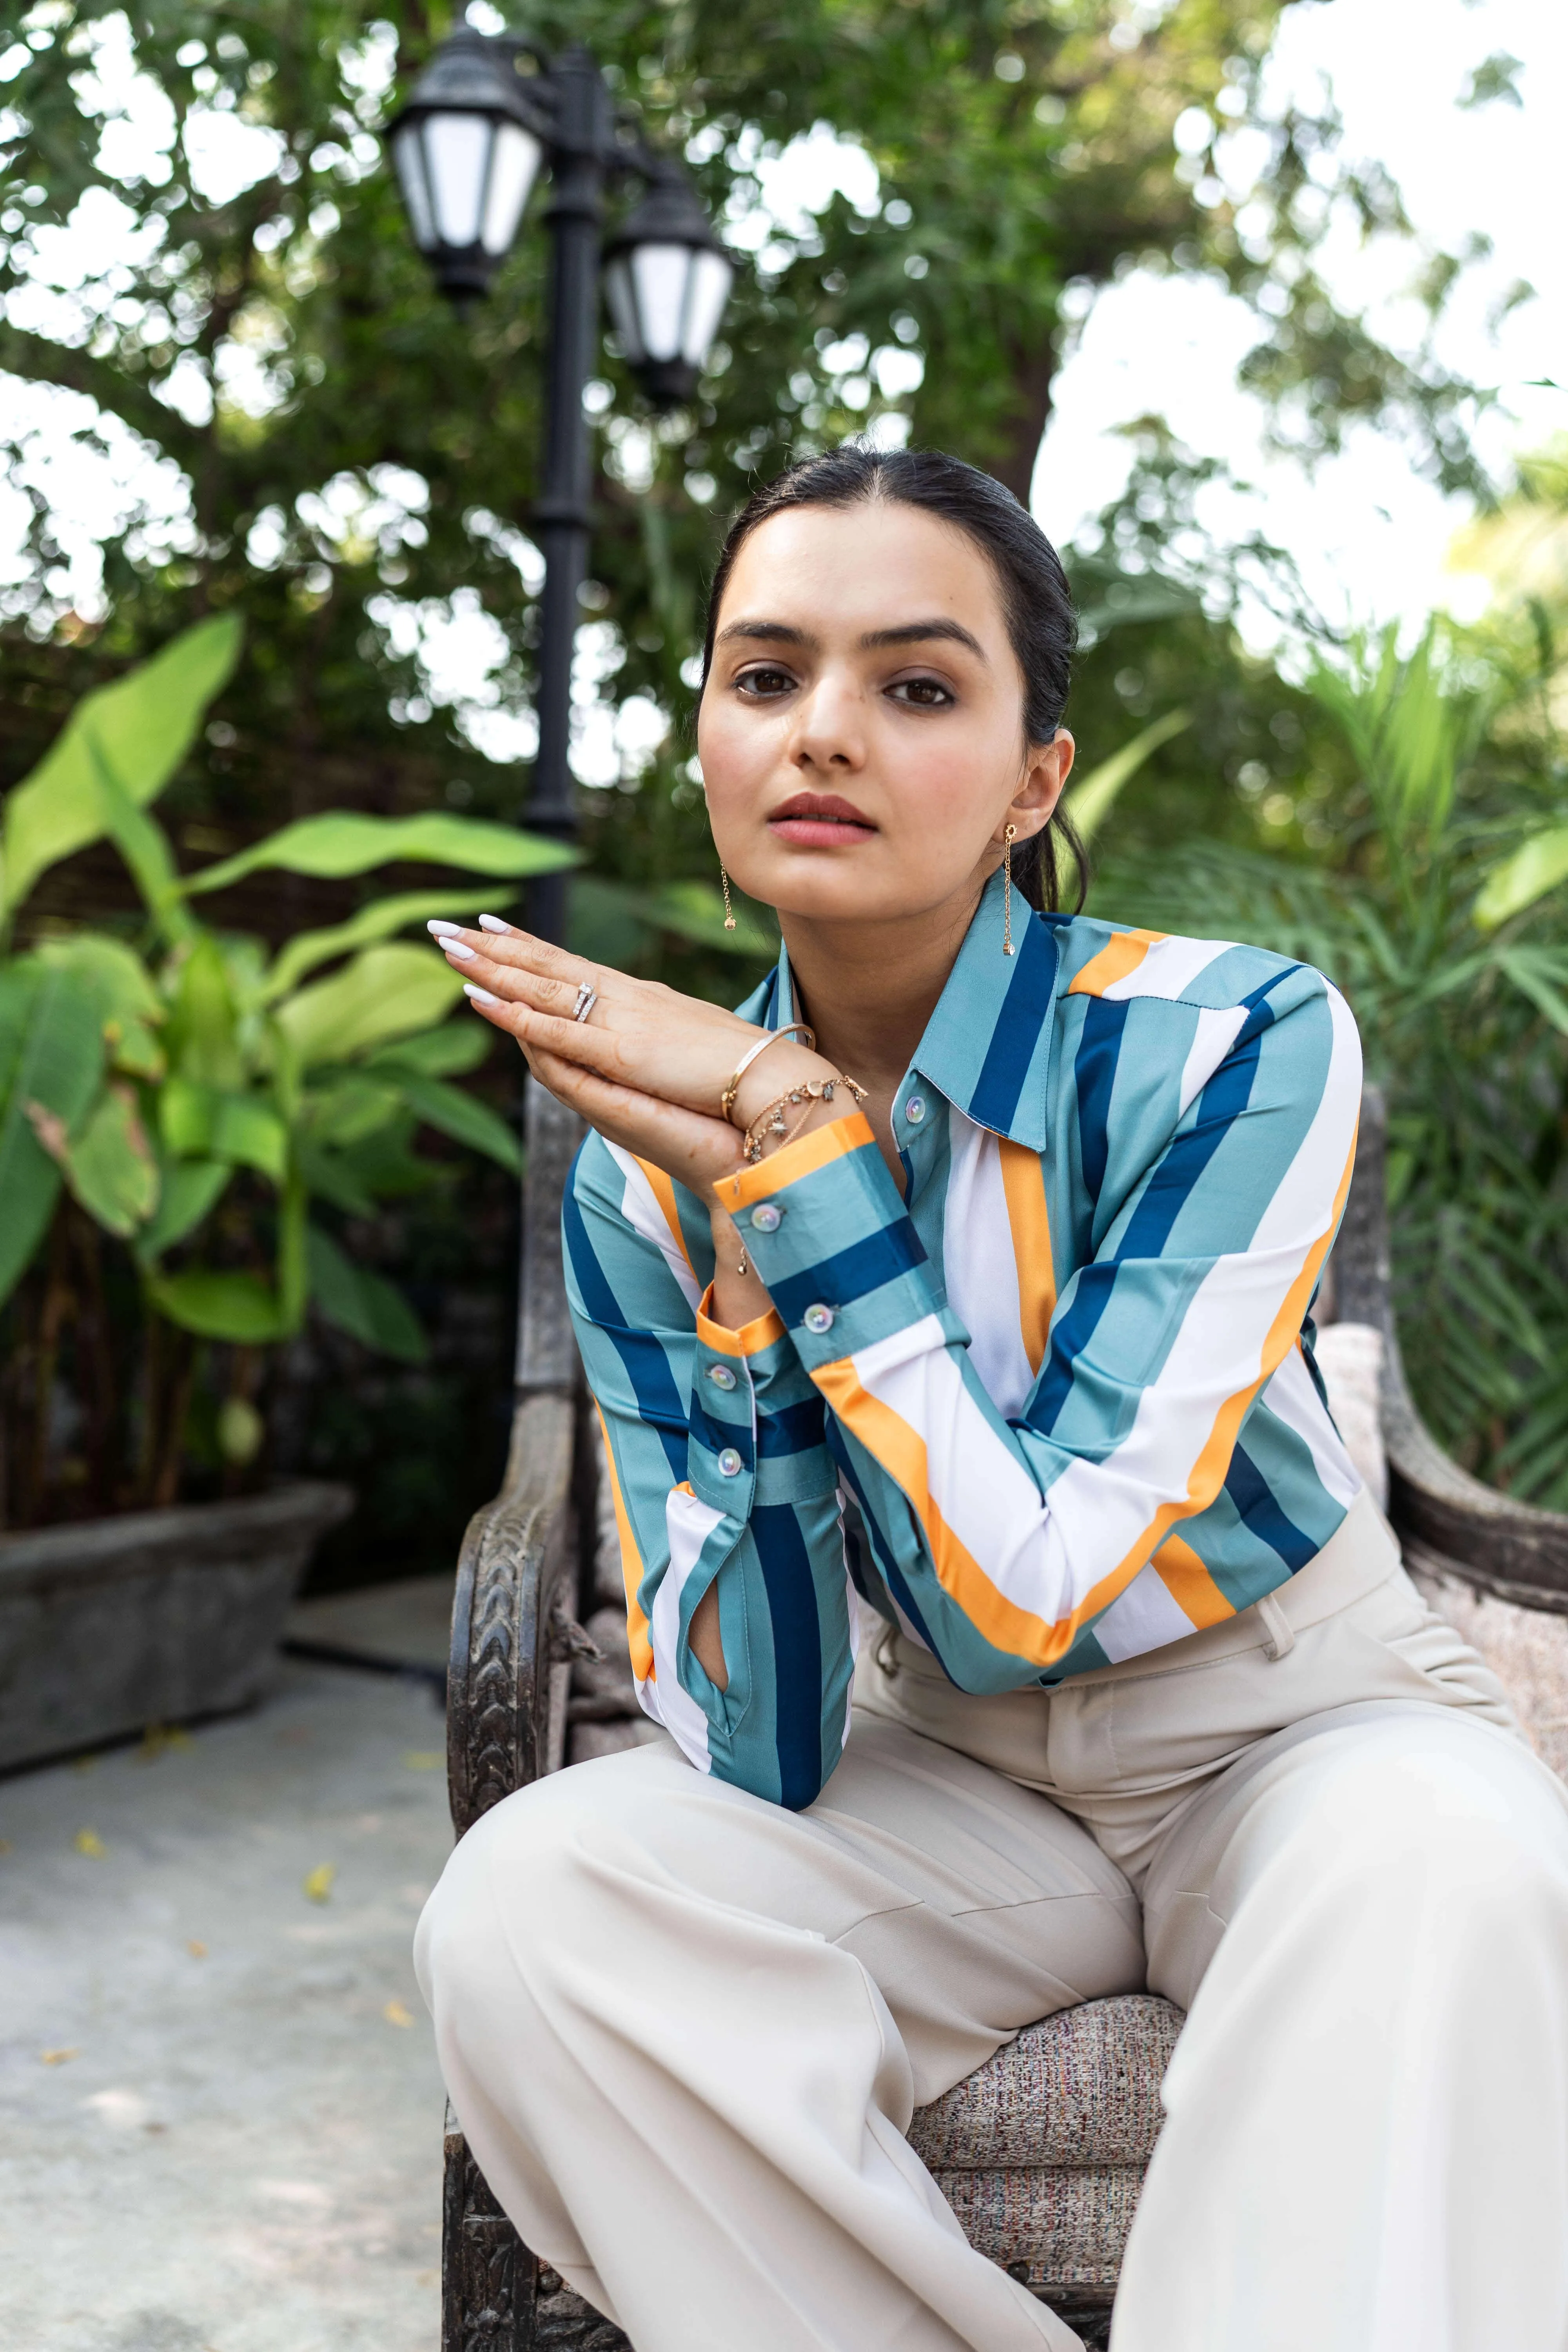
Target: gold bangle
{"points": [[769, 1037], [773, 1121]]}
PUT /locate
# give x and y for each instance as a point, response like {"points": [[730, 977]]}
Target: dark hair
{"points": [[1037, 601]]}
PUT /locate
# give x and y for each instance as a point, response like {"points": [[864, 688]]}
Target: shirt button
{"points": [[818, 1320], [915, 1109], [721, 1376], [767, 1217], [729, 1463]]}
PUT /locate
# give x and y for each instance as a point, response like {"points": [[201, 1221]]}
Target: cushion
{"points": [[1350, 1358], [1080, 2089]]}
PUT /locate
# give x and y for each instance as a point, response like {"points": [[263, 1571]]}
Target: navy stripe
{"points": [[1026, 1011], [888, 1567], [1070, 1335], [850, 1273], [647, 1365], [1098, 1049], [792, 1429], [717, 1434], [1170, 1187], [1261, 1515], [797, 1651]]}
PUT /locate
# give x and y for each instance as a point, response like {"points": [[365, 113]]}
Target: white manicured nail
{"points": [[493, 923], [440, 930], [458, 947], [479, 995]]}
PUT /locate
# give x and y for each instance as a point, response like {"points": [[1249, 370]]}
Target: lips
{"points": [[820, 820]]}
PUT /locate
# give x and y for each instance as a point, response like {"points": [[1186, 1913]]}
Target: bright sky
{"points": [[1369, 534]]}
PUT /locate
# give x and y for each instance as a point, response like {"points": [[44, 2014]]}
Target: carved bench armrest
{"points": [[510, 1667]]}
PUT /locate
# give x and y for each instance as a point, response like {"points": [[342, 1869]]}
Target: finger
{"points": [[513, 985], [520, 951], [691, 1146]]}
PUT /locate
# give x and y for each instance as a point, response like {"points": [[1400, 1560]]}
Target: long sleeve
{"points": [[1022, 1549], [720, 1474]]}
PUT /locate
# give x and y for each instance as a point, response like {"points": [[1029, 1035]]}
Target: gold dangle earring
{"points": [[729, 913], [1008, 837]]}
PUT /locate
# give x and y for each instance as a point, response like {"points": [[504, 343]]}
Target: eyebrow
{"points": [[912, 633]]}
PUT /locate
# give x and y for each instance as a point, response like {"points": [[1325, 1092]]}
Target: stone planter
{"points": [[111, 1624]]}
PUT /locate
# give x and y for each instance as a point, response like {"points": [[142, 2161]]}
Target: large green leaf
{"points": [[609, 919], [345, 842], [363, 1304], [199, 1122], [191, 1190], [238, 1307], [376, 921], [108, 1164], [351, 1109], [51, 1064], [128, 1003], [465, 1119], [388, 992], [204, 1025], [139, 728], [1090, 799], [446, 1052], [1539, 866]]}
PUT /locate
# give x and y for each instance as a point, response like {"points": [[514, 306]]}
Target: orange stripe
{"points": [[1123, 954], [749, 1340], [664, 1194], [901, 1451], [797, 1160], [1024, 1185], [637, 1638], [1189, 1583]]}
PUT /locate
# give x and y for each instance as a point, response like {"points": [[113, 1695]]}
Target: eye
{"points": [[764, 683], [923, 693]]}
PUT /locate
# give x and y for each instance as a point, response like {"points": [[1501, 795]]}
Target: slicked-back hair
{"points": [[1036, 603]]}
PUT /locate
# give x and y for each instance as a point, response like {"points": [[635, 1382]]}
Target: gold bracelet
{"points": [[770, 1037], [772, 1120]]}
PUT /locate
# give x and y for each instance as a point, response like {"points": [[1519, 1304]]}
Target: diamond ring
{"points": [[587, 997]]}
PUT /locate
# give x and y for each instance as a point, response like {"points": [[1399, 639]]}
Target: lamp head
{"points": [[467, 148], [667, 278]]}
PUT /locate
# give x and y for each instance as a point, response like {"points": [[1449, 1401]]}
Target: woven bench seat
{"points": [[1041, 2152]]}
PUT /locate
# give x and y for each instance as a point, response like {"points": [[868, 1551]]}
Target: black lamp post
{"points": [[487, 115]]}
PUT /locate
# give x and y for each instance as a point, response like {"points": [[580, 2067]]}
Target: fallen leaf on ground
{"points": [[58, 2057], [319, 1882], [396, 2013], [423, 1759], [197, 1951], [88, 1842]]}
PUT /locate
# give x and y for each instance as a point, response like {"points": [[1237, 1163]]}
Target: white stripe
{"points": [[1292, 1399], [1215, 1035], [688, 1523], [1145, 1617], [978, 1267], [639, 1206], [1170, 967]]}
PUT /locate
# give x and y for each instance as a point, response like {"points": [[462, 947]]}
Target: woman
{"points": [[991, 1556]]}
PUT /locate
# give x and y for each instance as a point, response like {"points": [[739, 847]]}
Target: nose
{"points": [[830, 726]]}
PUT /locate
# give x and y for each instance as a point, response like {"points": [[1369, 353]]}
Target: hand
{"points": [[648, 1068]]}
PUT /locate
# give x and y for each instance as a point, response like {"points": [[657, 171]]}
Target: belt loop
{"points": [[1281, 1632]]}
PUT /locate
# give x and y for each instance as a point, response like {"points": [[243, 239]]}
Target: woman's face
{"points": [[862, 729]]}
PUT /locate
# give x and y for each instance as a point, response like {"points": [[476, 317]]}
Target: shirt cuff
{"points": [[757, 1434], [829, 1235]]}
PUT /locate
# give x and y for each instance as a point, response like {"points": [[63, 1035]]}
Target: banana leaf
{"points": [[1538, 866], [108, 1164], [376, 921], [363, 1304], [345, 842], [51, 1066], [140, 728], [385, 993], [236, 1306]]}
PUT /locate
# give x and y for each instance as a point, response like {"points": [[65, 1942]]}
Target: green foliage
{"points": [[191, 1096], [1415, 904]]}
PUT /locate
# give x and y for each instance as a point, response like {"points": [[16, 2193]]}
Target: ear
{"points": [[1046, 772]]}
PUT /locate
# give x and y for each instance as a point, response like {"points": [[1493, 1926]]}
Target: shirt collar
{"points": [[987, 1046]]}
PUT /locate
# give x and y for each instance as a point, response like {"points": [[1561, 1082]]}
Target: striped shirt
{"points": [[1050, 1404]]}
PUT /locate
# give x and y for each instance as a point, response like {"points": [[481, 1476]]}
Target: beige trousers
{"points": [[685, 2030]]}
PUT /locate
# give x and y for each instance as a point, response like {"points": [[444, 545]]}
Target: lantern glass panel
{"points": [[707, 291], [622, 298], [457, 152], [514, 161], [408, 155], [659, 273]]}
